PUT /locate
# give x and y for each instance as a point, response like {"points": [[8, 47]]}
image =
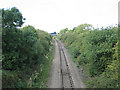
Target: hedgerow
{"points": [[94, 48]]}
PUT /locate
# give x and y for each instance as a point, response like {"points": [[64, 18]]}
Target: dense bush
{"points": [[23, 48], [100, 44], [94, 48]]}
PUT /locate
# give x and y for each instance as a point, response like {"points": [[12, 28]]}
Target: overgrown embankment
{"points": [[96, 51], [27, 52]]}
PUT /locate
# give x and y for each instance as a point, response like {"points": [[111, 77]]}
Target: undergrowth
{"points": [[32, 77]]}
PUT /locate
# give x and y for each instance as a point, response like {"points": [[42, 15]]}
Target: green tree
{"points": [[12, 17], [11, 37]]}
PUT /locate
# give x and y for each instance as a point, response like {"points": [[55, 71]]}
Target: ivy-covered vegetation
{"points": [[25, 50], [97, 51]]}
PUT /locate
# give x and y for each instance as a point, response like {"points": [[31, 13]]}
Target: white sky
{"points": [[54, 15]]}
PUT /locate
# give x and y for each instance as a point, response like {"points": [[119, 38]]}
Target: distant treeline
{"points": [[97, 49], [22, 48]]}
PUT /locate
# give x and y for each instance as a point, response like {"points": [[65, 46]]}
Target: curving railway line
{"points": [[64, 73], [66, 78]]}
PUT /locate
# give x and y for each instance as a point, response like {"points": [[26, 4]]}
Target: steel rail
{"points": [[71, 81], [70, 78]]}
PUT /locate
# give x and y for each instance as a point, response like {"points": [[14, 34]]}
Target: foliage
{"points": [[112, 69], [12, 17], [23, 48], [94, 48], [101, 82], [100, 44], [40, 76]]}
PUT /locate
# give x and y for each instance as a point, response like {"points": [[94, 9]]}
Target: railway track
{"points": [[66, 78]]}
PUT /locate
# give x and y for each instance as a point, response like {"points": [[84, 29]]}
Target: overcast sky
{"points": [[54, 15]]}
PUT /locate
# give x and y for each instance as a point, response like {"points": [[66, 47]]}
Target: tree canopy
{"points": [[12, 17]]}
